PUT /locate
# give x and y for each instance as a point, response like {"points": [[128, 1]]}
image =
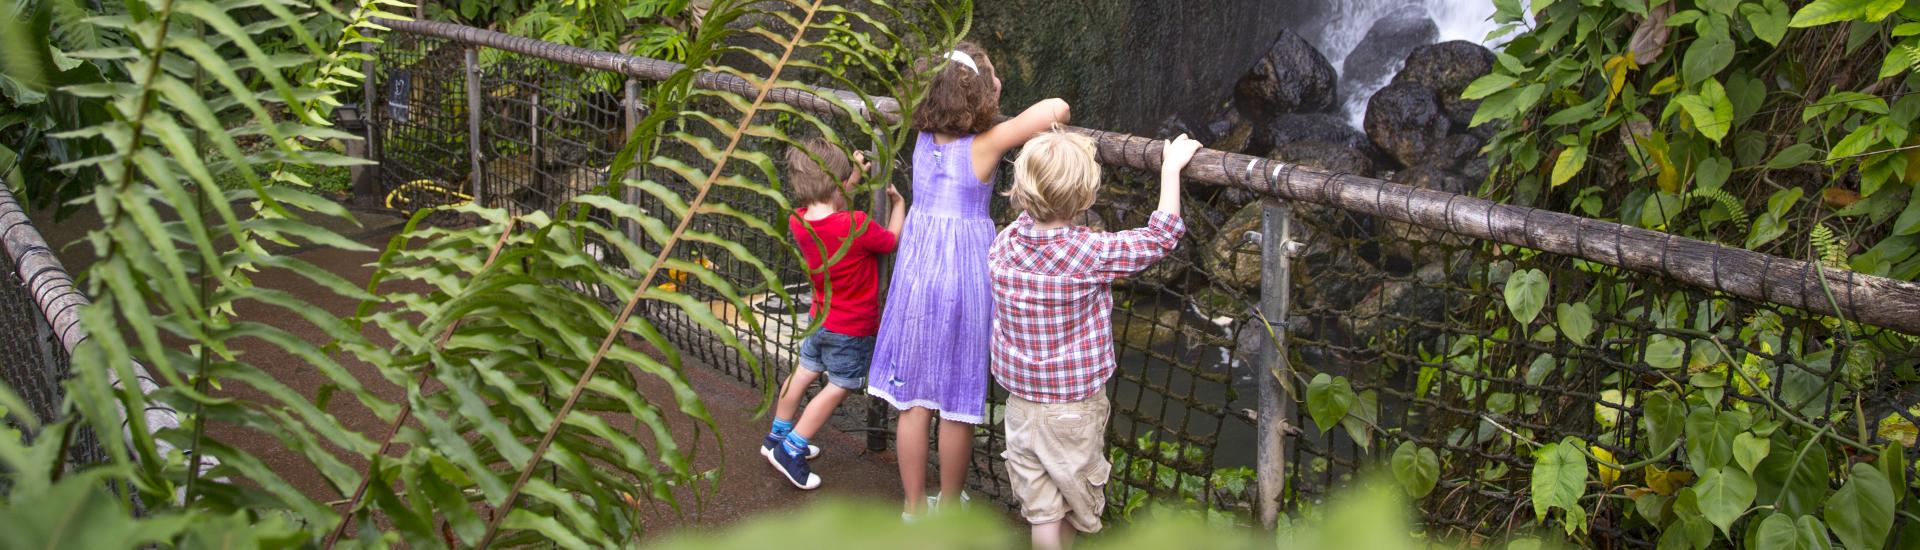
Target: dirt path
{"points": [[747, 485]]}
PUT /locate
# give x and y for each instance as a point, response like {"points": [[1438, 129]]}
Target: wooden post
{"points": [[476, 177], [1276, 405]]}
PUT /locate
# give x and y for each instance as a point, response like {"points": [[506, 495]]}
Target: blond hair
{"points": [[815, 171], [1055, 176]]}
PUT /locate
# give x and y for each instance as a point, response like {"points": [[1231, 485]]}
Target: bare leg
{"points": [[956, 449], [1067, 532], [910, 447], [1048, 536], [818, 410], [790, 395]]}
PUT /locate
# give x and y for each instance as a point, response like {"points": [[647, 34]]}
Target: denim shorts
{"points": [[844, 358]]}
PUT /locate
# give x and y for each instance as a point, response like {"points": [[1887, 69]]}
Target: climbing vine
{"points": [[1756, 124]]}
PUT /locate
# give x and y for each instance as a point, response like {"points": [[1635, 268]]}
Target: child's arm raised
{"points": [[1132, 251], [990, 146], [897, 206]]}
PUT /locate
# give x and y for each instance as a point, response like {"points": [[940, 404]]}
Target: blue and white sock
{"points": [[796, 445], [781, 428]]}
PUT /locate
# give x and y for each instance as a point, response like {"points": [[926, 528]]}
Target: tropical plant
{"points": [[523, 418], [1745, 122]]}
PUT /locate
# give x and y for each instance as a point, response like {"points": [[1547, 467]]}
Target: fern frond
{"points": [[1736, 211], [1829, 246]]}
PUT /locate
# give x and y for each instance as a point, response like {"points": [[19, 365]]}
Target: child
{"points": [[931, 352], [1052, 326], [819, 177]]}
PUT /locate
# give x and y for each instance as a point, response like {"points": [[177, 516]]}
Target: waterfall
{"points": [[1349, 20]]}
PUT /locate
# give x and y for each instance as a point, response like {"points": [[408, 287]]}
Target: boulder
{"points": [[1404, 120], [1231, 260], [1387, 44], [1437, 178], [1325, 128], [1326, 156], [1291, 77], [1225, 129], [1447, 68], [1455, 151]]}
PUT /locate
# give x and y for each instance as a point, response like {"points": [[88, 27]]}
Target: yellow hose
{"points": [[425, 185]]}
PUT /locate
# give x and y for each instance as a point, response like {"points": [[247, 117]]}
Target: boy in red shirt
{"points": [[818, 177]]}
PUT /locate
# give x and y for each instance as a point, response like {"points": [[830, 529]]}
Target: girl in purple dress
{"points": [[930, 355]]}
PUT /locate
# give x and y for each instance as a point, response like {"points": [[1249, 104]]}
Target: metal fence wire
{"points": [[1416, 320], [33, 363], [1413, 318]]}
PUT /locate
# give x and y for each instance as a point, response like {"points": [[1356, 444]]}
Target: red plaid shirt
{"points": [[1053, 302]]}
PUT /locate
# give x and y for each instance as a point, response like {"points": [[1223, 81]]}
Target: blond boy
{"points": [[1052, 329]]}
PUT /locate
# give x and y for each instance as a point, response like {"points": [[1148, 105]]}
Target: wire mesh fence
{"points": [[1416, 320], [33, 363], [1419, 324]]}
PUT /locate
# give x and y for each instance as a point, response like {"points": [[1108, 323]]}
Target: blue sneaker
{"points": [[794, 468], [767, 445]]}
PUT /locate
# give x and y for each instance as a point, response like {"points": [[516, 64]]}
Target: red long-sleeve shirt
{"points": [[854, 279]]}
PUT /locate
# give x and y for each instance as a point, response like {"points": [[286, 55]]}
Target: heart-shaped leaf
{"points": [[1416, 468]]}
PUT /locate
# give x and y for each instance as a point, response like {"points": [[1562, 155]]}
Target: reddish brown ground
{"points": [[747, 484]]}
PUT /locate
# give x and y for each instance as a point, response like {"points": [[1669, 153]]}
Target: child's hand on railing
{"points": [[1178, 153], [1173, 158]]}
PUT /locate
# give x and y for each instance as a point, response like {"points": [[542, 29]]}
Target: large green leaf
{"points": [[1416, 468], [1710, 436], [1749, 450], [1664, 420], [1559, 477], [1793, 476], [1861, 512], [1724, 495], [1526, 293], [1328, 399]]}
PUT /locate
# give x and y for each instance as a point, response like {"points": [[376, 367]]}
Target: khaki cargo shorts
{"points": [[1057, 460]]}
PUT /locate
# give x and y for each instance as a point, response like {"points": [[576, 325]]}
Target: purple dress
{"points": [[932, 347]]}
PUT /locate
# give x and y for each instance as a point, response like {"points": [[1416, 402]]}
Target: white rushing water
{"points": [[1349, 20]]}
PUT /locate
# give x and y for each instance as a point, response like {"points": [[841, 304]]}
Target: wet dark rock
{"points": [[1455, 151], [1404, 120], [1429, 176], [1447, 68], [1225, 129], [1325, 128], [1291, 77], [1387, 44], [1231, 259], [1326, 156]]}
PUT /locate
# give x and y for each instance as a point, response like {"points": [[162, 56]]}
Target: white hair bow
{"points": [[962, 58]]}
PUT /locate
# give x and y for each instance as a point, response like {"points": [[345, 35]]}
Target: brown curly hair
{"points": [[958, 101]]}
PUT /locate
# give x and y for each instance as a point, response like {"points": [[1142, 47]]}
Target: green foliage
{"points": [[661, 29], [497, 332], [1727, 101], [1714, 119], [1328, 400], [1416, 468], [1559, 479]]}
